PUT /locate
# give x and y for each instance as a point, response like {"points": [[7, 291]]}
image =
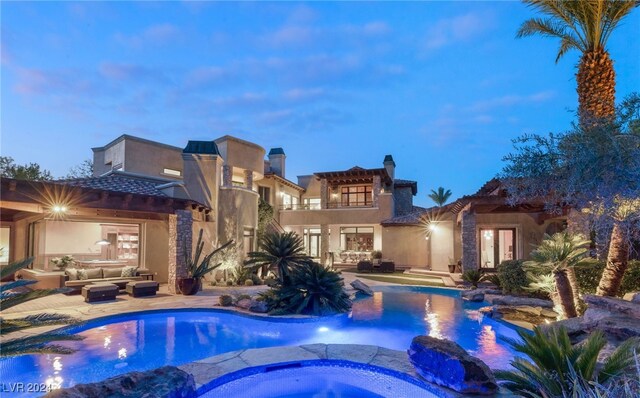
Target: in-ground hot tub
{"points": [[318, 378]]}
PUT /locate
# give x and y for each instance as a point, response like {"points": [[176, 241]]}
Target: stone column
{"points": [[248, 179], [180, 243], [324, 243], [227, 176], [469, 241], [377, 187], [324, 194]]}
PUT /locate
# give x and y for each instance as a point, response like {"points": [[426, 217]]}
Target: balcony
{"points": [[330, 205]]}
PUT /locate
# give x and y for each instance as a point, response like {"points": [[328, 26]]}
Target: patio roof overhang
{"points": [[22, 199], [356, 175]]}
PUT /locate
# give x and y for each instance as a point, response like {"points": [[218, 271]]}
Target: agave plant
{"points": [[554, 366], [11, 295], [492, 278], [472, 276], [558, 254], [281, 253], [314, 290], [198, 269]]}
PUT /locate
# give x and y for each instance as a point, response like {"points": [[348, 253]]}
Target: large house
{"points": [[147, 201]]}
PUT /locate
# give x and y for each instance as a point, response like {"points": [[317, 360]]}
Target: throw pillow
{"points": [[112, 272], [94, 273], [82, 275], [128, 272], [72, 273]]}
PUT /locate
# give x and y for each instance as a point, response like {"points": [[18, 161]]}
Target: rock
{"points": [[549, 313], [633, 297], [619, 329], [475, 295], [258, 306], [467, 293], [577, 328], [445, 363], [244, 303], [362, 287], [517, 315], [164, 382], [599, 307], [518, 301]]}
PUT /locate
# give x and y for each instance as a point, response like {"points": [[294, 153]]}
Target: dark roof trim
{"points": [[276, 151], [201, 148], [406, 183], [134, 138]]}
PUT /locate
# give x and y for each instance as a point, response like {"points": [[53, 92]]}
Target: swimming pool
{"points": [[141, 341]]}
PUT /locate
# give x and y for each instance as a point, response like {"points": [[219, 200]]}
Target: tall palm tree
{"points": [[554, 365], [586, 26], [558, 254], [583, 25], [280, 252], [441, 196]]}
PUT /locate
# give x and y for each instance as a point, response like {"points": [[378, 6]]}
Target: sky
{"points": [[442, 86]]}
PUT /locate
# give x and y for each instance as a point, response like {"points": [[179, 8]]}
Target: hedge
{"points": [[589, 277], [512, 277]]}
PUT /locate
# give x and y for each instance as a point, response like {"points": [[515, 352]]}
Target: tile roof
{"points": [[120, 183], [413, 218], [406, 183]]}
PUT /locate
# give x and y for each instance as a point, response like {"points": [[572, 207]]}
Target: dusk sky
{"points": [[442, 86]]}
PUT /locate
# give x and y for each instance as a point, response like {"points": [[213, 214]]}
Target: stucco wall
{"points": [[155, 248], [149, 159], [441, 242], [353, 216], [406, 246], [242, 154], [237, 209]]}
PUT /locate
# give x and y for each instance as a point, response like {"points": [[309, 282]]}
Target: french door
{"points": [[496, 246]]}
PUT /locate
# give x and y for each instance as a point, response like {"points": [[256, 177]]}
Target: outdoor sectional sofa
{"points": [[76, 279]]}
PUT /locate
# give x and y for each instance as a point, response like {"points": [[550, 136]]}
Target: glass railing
{"points": [[331, 205]]}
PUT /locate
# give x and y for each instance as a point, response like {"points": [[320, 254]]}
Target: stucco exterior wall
{"points": [[406, 246], [237, 210], [149, 159], [242, 154], [155, 248], [342, 216]]}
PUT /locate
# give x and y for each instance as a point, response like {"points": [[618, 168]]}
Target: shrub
{"points": [[472, 276], [241, 274], [589, 275], [229, 282], [240, 297], [213, 283], [513, 278], [492, 278], [226, 300], [314, 289], [248, 282]]}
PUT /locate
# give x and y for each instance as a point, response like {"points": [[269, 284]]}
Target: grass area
{"points": [[403, 280]]}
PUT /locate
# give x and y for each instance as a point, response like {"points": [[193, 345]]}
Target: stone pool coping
{"points": [[207, 371]]}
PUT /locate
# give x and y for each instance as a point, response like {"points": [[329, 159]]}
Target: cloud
{"points": [[511, 100], [154, 35], [457, 29], [130, 72], [66, 82]]}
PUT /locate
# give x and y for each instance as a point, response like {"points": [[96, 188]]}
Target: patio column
{"points": [[324, 243], [180, 243], [324, 194], [248, 179], [227, 176], [469, 241], [377, 187]]}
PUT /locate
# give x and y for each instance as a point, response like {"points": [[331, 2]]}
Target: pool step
{"points": [[447, 278]]}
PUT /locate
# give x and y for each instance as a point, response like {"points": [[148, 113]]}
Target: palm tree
{"points": [[584, 26], [558, 254], [554, 366], [36, 344], [281, 252], [441, 196]]}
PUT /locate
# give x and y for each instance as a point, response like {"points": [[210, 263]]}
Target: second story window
{"points": [[360, 195], [311, 203], [265, 194]]}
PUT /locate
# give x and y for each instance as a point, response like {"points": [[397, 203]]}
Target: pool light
{"points": [[323, 329]]}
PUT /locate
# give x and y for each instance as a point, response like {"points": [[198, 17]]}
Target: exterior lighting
{"points": [[433, 226], [103, 242], [59, 209]]}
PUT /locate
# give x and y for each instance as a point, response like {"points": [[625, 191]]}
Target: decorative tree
{"points": [[440, 196], [31, 171]]}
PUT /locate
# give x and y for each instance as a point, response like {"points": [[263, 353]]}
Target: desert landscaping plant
{"points": [[196, 268], [280, 253], [472, 276], [440, 196], [12, 294], [513, 277], [553, 367]]}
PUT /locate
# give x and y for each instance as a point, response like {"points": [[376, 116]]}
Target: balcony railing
{"points": [[330, 205]]}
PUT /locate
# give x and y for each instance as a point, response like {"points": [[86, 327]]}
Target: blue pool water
{"points": [[141, 341]]}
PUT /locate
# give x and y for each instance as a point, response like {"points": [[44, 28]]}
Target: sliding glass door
{"points": [[496, 246]]}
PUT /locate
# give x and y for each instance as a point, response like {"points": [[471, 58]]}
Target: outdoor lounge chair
{"points": [[387, 266], [365, 266]]}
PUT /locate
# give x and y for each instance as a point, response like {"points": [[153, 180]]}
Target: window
{"points": [[248, 239], [172, 172], [5, 245], [311, 203], [496, 246], [312, 241], [359, 239], [265, 194], [286, 201], [357, 196]]}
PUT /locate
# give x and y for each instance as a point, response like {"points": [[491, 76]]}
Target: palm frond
{"points": [[39, 344], [623, 358], [9, 299], [16, 284], [12, 325], [7, 270]]}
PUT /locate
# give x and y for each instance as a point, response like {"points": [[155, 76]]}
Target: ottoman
{"points": [[142, 288], [99, 292]]}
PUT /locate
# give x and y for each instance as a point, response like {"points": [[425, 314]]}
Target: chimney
{"points": [[202, 165], [277, 160], [390, 166]]}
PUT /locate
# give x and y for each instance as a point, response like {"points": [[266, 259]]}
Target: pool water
{"points": [[321, 379], [142, 341]]}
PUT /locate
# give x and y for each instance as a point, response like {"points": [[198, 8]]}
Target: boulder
{"points": [[577, 328], [164, 382], [482, 291], [599, 307], [361, 287], [618, 329], [445, 363], [258, 306], [245, 303], [633, 297], [475, 295], [518, 301], [521, 315]]}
